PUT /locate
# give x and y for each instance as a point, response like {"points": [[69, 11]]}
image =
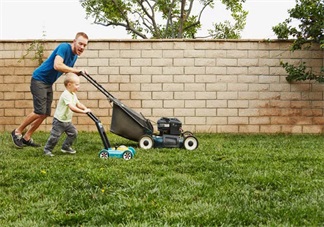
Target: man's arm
{"points": [[60, 66]]}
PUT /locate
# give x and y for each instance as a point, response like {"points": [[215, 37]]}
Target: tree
{"points": [[228, 31], [163, 19], [310, 15]]}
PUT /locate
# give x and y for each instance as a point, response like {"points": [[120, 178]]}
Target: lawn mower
{"points": [[122, 151], [131, 125]]}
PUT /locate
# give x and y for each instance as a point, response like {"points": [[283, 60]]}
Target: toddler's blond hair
{"points": [[70, 78]]}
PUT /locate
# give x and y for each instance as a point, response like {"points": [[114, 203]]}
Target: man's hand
{"points": [[82, 72]]}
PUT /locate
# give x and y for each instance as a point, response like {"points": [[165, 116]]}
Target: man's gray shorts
{"points": [[42, 97]]}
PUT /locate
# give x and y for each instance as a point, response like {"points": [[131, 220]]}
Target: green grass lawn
{"points": [[230, 180]]}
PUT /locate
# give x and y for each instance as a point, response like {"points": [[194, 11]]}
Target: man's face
{"points": [[79, 45]]}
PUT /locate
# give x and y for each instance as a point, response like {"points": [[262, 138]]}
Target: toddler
{"points": [[62, 121]]}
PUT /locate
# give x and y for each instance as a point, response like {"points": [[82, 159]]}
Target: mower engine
{"points": [[170, 130], [169, 126], [170, 135]]}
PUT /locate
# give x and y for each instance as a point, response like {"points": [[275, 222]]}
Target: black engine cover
{"points": [[169, 126]]}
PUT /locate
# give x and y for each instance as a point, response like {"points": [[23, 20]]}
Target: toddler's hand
{"points": [[87, 111]]}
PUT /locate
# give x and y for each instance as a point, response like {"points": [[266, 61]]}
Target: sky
{"points": [[62, 19]]}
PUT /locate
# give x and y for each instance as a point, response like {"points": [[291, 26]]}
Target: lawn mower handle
{"points": [[97, 85], [93, 117]]}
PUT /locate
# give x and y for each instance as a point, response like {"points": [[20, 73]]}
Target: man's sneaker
{"points": [[68, 150], [30, 143], [17, 139], [48, 153]]}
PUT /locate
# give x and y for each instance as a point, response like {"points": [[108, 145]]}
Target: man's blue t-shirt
{"points": [[46, 72]]}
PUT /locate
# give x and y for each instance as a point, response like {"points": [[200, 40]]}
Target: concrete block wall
{"points": [[217, 86]]}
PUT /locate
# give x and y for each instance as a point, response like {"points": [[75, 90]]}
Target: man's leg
{"points": [[38, 119], [28, 120], [42, 100], [16, 134]]}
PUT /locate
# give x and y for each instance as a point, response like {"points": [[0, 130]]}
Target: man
{"points": [[60, 61]]}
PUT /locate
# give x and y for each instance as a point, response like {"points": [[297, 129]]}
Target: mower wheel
{"points": [[127, 155], [146, 142], [104, 154], [190, 143]]}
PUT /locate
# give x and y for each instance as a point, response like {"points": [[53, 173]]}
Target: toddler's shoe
{"points": [[48, 153], [68, 150]]}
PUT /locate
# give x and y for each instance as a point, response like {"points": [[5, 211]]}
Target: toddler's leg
{"points": [[71, 133], [56, 132]]}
